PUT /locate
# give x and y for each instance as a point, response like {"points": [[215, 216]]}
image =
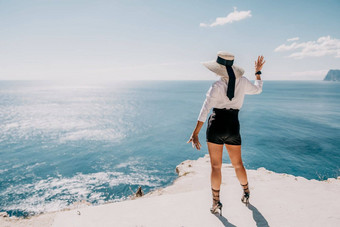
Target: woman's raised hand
{"points": [[259, 63], [195, 142]]}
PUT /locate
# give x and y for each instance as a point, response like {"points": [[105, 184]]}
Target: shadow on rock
{"points": [[258, 217], [224, 221]]}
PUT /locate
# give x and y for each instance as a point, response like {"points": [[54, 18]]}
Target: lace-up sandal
{"points": [[246, 194], [217, 205]]}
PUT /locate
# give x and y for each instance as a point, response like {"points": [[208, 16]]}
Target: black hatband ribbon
{"points": [[231, 74], [225, 62]]}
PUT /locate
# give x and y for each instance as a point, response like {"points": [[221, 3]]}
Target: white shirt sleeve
{"points": [[252, 89], [209, 102]]}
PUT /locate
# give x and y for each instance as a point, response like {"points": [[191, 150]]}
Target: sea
{"points": [[63, 143]]}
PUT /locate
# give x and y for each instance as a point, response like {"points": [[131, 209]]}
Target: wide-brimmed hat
{"points": [[219, 66]]}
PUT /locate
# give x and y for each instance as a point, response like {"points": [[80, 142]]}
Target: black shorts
{"points": [[224, 127]]}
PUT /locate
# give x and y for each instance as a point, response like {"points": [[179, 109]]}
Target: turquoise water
{"points": [[63, 143]]}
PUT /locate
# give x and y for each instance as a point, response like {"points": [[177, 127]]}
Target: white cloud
{"points": [[293, 39], [325, 45], [230, 18]]}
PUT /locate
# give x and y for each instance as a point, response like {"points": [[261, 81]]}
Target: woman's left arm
{"points": [[209, 102], [194, 136]]}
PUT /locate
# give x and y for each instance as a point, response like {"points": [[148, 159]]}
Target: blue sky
{"points": [[137, 40]]}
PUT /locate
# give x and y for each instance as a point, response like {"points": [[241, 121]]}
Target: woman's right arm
{"points": [[256, 88]]}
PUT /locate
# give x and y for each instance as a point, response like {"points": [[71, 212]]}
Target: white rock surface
{"points": [[275, 200]]}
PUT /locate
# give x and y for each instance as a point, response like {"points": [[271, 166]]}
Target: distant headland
{"points": [[333, 75]]}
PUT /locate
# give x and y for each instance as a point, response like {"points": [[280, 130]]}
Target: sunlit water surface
{"points": [[63, 143]]}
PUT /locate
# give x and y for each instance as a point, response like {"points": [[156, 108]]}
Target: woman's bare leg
{"points": [[234, 152], [215, 152]]}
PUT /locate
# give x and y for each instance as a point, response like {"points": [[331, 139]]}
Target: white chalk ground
{"points": [[275, 200]]}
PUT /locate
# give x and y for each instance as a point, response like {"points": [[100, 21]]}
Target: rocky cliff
{"points": [[333, 75]]}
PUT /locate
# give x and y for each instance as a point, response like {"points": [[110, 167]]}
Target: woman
{"points": [[226, 97]]}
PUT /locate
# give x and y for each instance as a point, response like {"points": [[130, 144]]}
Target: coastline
{"points": [[277, 199]]}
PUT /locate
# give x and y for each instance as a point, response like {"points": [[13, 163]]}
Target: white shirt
{"points": [[216, 96]]}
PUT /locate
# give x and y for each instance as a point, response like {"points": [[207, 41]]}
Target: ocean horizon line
{"points": [[128, 80]]}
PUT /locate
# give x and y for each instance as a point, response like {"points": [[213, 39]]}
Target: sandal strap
{"points": [[244, 185], [216, 194]]}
